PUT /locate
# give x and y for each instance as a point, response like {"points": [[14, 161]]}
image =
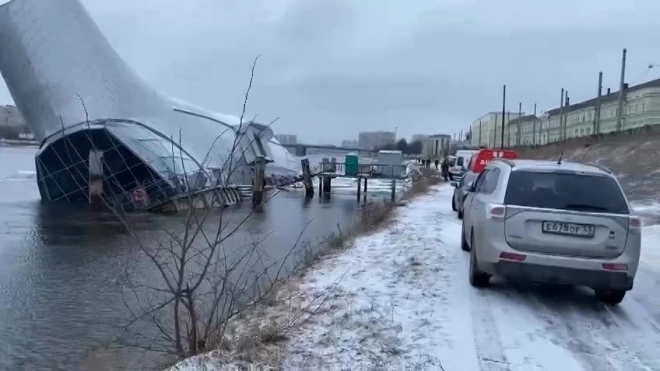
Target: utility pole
{"points": [[567, 102], [508, 129], [503, 113], [495, 132], [519, 135], [561, 115], [534, 127], [619, 118], [597, 113], [479, 144]]}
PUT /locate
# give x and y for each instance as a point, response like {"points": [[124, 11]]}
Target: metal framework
{"points": [[80, 98]]}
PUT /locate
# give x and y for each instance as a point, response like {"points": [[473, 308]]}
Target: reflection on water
{"points": [[61, 265]]}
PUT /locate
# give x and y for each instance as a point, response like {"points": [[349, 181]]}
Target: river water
{"points": [[60, 265]]}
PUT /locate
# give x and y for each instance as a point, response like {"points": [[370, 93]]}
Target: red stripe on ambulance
{"points": [[484, 157]]}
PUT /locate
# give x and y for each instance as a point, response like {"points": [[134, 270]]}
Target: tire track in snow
{"points": [[487, 338], [601, 337], [638, 340], [571, 332], [525, 339], [486, 335]]}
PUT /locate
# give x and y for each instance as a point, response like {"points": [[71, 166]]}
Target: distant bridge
{"points": [[303, 149]]}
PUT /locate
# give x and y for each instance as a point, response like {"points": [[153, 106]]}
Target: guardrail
{"points": [[365, 170]]}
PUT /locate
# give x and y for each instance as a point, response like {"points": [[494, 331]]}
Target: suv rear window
{"points": [[565, 191]]}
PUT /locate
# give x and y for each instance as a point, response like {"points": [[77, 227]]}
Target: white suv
{"points": [[548, 221]]}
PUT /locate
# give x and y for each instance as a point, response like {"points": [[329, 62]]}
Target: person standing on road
{"points": [[444, 168]]}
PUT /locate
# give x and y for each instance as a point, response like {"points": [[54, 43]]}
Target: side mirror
{"points": [[454, 184], [470, 187]]}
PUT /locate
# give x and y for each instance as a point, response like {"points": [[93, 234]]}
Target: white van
{"points": [[462, 158]]}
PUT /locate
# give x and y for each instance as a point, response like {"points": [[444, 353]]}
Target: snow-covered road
{"points": [[400, 299]]}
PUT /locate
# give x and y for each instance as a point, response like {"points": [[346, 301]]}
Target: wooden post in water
{"points": [[258, 187], [359, 188], [393, 190], [327, 184], [95, 181], [326, 166], [333, 163], [307, 178]]}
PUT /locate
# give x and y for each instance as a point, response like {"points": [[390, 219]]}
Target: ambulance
{"points": [[485, 156], [477, 164]]}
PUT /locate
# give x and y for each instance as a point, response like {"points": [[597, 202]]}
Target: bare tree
{"points": [[203, 276], [202, 283]]}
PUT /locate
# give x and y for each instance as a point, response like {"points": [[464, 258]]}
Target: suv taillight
{"points": [[634, 223], [495, 211]]}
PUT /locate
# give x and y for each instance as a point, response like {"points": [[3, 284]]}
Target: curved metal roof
{"points": [[61, 72]]}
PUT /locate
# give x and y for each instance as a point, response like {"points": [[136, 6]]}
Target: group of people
{"points": [[444, 166], [427, 162]]}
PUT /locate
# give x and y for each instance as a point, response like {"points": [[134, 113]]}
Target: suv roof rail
{"points": [[601, 167], [506, 161]]}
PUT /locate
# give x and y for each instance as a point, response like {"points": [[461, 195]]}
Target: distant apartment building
{"points": [[522, 130], [436, 147], [286, 139], [11, 116], [487, 129], [12, 124], [376, 139], [418, 138], [641, 107], [350, 143]]}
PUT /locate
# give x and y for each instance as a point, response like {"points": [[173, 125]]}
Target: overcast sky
{"points": [[331, 68]]}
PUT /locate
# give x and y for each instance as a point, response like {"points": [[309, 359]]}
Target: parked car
{"points": [[460, 165], [548, 221], [461, 190]]}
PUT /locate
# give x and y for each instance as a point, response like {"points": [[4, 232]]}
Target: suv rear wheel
{"points": [[464, 244], [611, 297], [477, 277]]}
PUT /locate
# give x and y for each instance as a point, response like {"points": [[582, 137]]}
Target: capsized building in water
{"points": [[94, 116]]}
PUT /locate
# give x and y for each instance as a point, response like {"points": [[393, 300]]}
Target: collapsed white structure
{"points": [[80, 98]]}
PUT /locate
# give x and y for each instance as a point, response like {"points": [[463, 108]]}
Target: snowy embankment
{"points": [[400, 299]]}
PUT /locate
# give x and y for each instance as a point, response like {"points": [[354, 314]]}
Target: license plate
{"points": [[569, 229]]}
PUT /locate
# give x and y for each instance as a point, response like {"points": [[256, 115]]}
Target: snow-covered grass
{"points": [[400, 300]]}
